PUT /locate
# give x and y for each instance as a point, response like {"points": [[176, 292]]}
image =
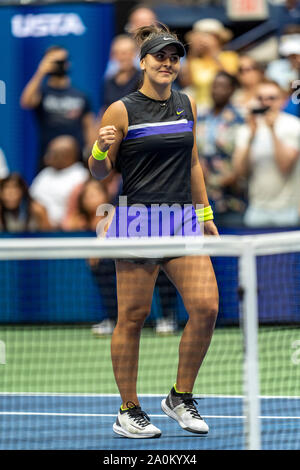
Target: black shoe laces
{"points": [[137, 414], [190, 405]]}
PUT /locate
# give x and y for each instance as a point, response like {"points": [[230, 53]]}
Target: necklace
{"points": [[161, 103], [165, 102]]}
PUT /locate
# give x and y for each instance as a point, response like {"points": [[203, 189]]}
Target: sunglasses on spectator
{"points": [[247, 69], [268, 98]]}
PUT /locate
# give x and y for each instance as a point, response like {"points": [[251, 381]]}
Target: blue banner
{"points": [[26, 32]]}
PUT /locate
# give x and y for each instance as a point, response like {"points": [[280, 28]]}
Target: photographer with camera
{"points": [[267, 152], [60, 108]]}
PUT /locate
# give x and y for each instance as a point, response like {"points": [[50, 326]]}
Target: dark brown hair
{"points": [[25, 203], [145, 33]]}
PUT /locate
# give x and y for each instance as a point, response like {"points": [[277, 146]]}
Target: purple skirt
{"points": [[162, 220]]}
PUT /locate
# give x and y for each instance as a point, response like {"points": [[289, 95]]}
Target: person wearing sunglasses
{"points": [[267, 152], [250, 75]]}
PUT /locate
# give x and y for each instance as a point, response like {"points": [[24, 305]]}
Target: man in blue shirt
{"points": [[60, 108]]}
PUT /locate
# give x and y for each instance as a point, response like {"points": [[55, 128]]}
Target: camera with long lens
{"points": [[60, 68], [260, 110]]}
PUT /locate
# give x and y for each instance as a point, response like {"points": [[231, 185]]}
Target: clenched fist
{"points": [[107, 137]]}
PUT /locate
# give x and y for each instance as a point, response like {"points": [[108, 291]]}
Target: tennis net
{"points": [[57, 384]]}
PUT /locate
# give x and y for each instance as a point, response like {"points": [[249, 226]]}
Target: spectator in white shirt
{"points": [[267, 151], [54, 184]]}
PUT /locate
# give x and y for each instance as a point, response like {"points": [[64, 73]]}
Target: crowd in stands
{"points": [[248, 129], [248, 134]]}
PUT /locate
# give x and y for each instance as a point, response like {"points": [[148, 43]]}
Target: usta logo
{"points": [[48, 24]]}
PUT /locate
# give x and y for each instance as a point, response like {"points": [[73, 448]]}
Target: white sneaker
{"points": [[165, 326], [181, 407], [135, 424], [105, 328]]}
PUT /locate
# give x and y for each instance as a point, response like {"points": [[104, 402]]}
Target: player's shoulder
{"points": [[187, 100], [180, 94], [120, 108], [183, 96], [116, 108], [116, 113], [133, 97]]}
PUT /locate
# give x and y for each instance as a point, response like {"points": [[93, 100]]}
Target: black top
{"points": [[155, 156], [60, 112]]}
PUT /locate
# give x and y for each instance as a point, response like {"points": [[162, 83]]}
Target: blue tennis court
{"points": [[69, 422]]}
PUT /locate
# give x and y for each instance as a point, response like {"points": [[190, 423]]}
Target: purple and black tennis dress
{"points": [[155, 162]]}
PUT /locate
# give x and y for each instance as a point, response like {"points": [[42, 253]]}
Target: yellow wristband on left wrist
{"points": [[97, 153], [204, 214]]}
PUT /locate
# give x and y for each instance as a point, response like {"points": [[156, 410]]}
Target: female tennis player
{"points": [[150, 136]]}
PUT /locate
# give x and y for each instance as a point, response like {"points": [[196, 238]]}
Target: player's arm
{"points": [[112, 130], [199, 194]]}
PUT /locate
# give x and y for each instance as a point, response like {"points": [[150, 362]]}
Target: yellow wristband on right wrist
{"points": [[204, 214], [97, 153]]}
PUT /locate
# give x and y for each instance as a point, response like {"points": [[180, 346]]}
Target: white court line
{"points": [[109, 415], [97, 415], [58, 394], [29, 413], [99, 395]]}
